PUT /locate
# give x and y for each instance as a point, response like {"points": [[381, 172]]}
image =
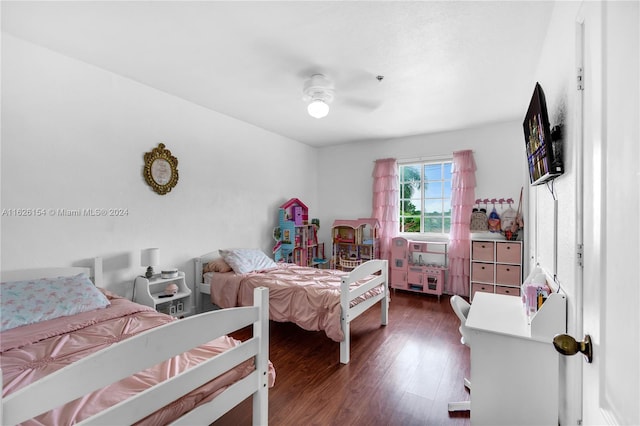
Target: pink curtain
{"points": [[385, 202], [463, 183]]}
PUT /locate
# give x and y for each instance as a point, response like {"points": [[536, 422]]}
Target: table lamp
{"points": [[150, 257]]}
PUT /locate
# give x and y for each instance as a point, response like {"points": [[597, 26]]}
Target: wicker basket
{"points": [[346, 263]]}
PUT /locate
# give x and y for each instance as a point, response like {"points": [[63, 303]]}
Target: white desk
{"points": [[514, 377]]}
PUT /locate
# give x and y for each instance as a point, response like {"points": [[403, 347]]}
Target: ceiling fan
{"points": [[319, 90], [333, 83]]}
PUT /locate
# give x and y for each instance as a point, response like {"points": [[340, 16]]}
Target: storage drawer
{"points": [[510, 291], [508, 252], [508, 274], [482, 250], [482, 272], [484, 288]]}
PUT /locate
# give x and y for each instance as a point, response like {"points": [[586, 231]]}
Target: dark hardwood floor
{"points": [[404, 373]]}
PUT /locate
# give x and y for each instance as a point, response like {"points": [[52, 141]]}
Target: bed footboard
{"points": [[379, 270], [148, 349]]}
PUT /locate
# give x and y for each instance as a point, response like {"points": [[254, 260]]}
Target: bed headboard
{"points": [[200, 287], [199, 263], [94, 271]]}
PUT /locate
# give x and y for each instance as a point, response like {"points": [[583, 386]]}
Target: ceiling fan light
{"points": [[318, 108]]}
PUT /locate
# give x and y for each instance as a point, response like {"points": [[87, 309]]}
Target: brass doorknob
{"points": [[567, 345]]}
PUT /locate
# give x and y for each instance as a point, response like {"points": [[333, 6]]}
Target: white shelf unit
{"points": [[150, 292], [551, 317], [496, 267]]}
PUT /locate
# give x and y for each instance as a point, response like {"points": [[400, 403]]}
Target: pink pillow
{"points": [[217, 265]]}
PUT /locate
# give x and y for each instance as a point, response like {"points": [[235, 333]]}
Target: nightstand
{"points": [[150, 292]]}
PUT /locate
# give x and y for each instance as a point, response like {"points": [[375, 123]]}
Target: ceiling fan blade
{"points": [[364, 104], [357, 79]]}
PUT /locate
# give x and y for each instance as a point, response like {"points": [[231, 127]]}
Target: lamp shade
{"points": [[318, 108], [150, 257]]}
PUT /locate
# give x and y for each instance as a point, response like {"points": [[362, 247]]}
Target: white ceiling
{"points": [[446, 65]]}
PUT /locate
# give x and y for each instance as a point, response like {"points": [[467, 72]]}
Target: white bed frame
{"points": [[348, 314], [146, 350]]}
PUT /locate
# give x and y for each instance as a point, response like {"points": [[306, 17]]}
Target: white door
{"points": [[611, 136]]}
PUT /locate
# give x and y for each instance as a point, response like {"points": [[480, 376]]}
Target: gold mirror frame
{"points": [[160, 169]]}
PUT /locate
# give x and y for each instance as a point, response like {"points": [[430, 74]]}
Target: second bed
{"points": [[314, 299]]}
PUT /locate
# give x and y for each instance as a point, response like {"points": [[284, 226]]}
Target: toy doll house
{"points": [[354, 242], [297, 238]]}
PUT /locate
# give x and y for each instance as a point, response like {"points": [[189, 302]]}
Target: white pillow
{"points": [[244, 261], [31, 301]]}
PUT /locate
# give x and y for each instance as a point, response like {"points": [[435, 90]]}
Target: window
{"points": [[425, 197]]}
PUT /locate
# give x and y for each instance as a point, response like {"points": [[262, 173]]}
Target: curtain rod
{"points": [[425, 158], [437, 157]]}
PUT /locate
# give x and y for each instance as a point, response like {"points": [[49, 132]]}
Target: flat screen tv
{"points": [[543, 144]]}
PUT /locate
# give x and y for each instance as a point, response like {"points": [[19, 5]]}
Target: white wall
{"points": [[556, 72], [557, 76], [345, 170], [74, 136]]}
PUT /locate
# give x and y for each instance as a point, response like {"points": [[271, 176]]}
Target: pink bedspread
{"points": [[308, 297], [34, 351]]}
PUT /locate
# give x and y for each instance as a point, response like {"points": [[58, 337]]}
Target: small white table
{"points": [[150, 292], [514, 377]]}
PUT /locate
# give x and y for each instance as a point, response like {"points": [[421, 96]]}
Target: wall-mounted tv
{"points": [[543, 145]]}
